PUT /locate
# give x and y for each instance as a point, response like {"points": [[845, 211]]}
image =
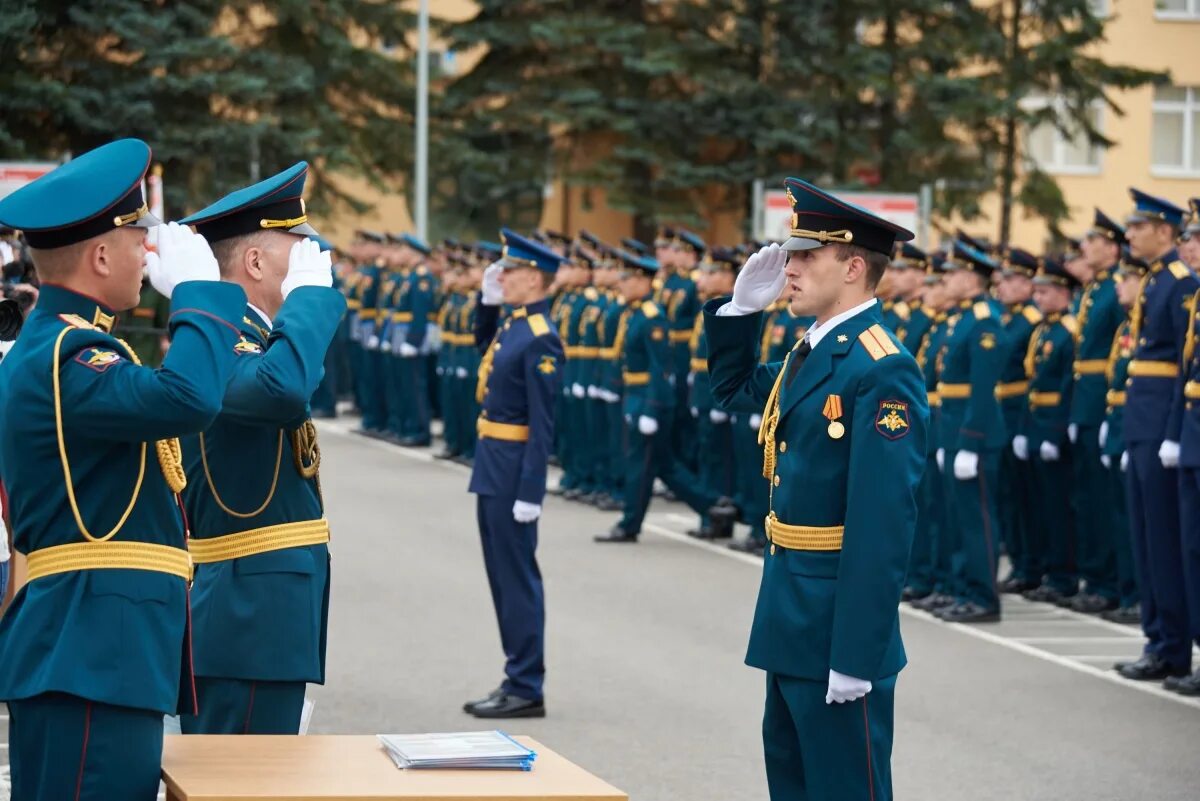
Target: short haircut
{"points": [[229, 251], [877, 263], [55, 264]]}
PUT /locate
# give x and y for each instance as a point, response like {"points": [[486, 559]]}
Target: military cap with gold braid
{"points": [[965, 257], [1148, 208], [1019, 262], [1052, 272], [91, 195], [1107, 227], [521, 252], [271, 205], [909, 257], [819, 219]]}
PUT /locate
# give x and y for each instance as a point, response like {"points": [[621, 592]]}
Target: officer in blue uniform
{"points": [[259, 534], [519, 382], [1154, 409], [906, 274], [844, 427], [972, 434], [96, 643], [371, 366]]}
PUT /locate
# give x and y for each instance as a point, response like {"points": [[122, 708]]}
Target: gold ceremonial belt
{"points": [[679, 337], [1040, 399], [258, 540], [1191, 390], [635, 379], [582, 352], [509, 432], [1012, 389], [109, 555], [804, 538], [368, 314], [353, 305], [954, 391], [1140, 368], [401, 317], [1115, 398], [934, 398], [1091, 366], [700, 365]]}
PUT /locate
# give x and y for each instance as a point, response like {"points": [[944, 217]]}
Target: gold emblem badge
{"points": [[547, 365], [831, 412], [987, 341], [843, 338]]}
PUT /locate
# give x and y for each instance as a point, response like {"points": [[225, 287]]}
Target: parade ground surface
{"points": [[646, 686]]}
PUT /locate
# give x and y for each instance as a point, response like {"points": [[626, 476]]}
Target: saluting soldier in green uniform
{"points": [[844, 422], [95, 643], [260, 598]]}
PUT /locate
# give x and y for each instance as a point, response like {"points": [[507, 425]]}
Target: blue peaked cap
{"points": [[408, 240], [271, 205], [689, 240], [86, 197], [635, 261], [1148, 208], [518, 251], [965, 257]]}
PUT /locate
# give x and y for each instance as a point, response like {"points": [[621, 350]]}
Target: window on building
{"points": [[1055, 152], [1175, 146], [1177, 9]]}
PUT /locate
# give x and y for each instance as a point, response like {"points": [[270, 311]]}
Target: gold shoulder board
{"points": [[877, 342], [538, 324], [981, 310], [649, 309], [422, 270], [591, 294], [902, 311], [1179, 270], [75, 321], [1032, 314], [1071, 324]]}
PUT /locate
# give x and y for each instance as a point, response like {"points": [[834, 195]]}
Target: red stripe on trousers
{"points": [[87, 730], [249, 709], [867, 732]]}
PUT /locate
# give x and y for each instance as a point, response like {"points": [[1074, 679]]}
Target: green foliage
{"points": [[216, 88]]}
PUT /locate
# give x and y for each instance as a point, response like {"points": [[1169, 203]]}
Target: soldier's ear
{"points": [[252, 259]]}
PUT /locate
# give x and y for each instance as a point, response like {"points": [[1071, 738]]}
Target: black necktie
{"points": [[798, 357]]}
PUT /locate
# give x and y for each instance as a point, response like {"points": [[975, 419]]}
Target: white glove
{"points": [[691, 379], [760, 281], [717, 416], [610, 397], [578, 391], [440, 370], [526, 512], [1103, 434], [373, 342], [593, 391], [386, 346], [755, 422], [843, 688], [1106, 460], [1073, 432], [695, 412], [1168, 454], [1124, 461], [407, 350], [493, 293], [307, 266], [460, 372], [941, 459], [182, 256], [966, 465], [1048, 452], [647, 425], [1021, 447]]}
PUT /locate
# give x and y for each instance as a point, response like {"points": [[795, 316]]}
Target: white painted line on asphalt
{"points": [[662, 531], [1054, 640]]}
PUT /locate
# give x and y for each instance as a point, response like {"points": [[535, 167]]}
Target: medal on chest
{"points": [[833, 412]]}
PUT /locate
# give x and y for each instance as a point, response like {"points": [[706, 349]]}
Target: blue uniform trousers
{"points": [[973, 530], [714, 455], [647, 458], [616, 448], [752, 493], [414, 397], [66, 748], [1189, 505], [509, 555], [925, 572], [1121, 541], [324, 399], [1052, 540], [391, 394], [596, 432], [1014, 507], [1154, 523], [354, 369], [245, 706], [372, 388], [827, 752], [1094, 501]]}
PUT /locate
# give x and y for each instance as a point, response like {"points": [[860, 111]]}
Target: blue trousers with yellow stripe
{"points": [[245, 706], [827, 752], [972, 525], [66, 748]]}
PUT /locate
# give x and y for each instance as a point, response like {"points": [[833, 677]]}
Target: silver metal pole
{"points": [[925, 211], [421, 193]]}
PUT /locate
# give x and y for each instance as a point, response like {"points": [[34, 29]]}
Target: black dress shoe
{"points": [[509, 706], [416, 442], [1126, 615], [1148, 668], [934, 601], [969, 613], [702, 533], [608, 503], [588, 498], [446, 455], [1044, 594], [572, 493], [1015, 585], [616, 534], [911, 594], [1090, 603], [1188, 685], [747, 545], [469, 706]]}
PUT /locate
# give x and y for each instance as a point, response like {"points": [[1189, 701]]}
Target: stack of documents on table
{"points": [[477, 750]]}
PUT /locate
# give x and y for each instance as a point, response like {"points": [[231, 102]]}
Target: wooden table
{"points": [[354, 768]]}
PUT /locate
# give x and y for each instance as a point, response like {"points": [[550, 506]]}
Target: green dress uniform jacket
{"points": [[845, 493]]}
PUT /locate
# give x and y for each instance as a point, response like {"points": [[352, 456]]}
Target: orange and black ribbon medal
{"points": [[832, 413]]}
